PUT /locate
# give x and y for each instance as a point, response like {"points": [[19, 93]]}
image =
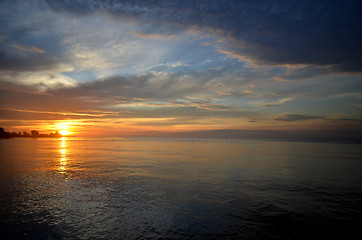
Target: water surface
{"points": [[149, 188]]}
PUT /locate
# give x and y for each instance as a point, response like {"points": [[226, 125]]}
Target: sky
{"points": [[182, 68]]}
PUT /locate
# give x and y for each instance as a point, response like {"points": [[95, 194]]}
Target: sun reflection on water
{"points": [[63, 156]]}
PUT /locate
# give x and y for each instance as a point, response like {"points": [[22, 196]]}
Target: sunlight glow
{"points": [[64, 128], [64, 132]]}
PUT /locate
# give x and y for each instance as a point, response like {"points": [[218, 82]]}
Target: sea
{"points": [[179, 188]]}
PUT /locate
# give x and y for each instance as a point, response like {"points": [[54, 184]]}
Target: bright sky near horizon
{"points": [[161, 68]]}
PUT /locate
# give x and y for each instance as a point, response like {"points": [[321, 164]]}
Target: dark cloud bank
{"points": [[322, 33]]}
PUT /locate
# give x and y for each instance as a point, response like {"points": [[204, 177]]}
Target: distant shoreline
{"points": [[32, 134]]}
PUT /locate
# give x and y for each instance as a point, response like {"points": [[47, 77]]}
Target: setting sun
{"points": [[64, 132], [64, 128]]}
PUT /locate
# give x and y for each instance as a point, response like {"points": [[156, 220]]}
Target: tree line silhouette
{"points": [[33, 134]]}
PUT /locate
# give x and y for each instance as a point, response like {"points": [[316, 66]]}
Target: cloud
{"points": [[155, 36], [42, 80], [22, 102], [132, 37], [36, 39], [153, 85], [152, 95], [296, 118], [28, 39], [160, 95], [248, 91], [278, 102], [28, 49], [297, 72], [311, 32], [201, 63], [321, 87], [10, 61], [220, 87]]}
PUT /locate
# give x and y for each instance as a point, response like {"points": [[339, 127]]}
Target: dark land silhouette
{"points": [[32, 134]]}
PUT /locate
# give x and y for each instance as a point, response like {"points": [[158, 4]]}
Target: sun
{"points": [[63, 128], [64, 132]]}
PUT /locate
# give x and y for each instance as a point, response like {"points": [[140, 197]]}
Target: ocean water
{"points": [[163, 188]]}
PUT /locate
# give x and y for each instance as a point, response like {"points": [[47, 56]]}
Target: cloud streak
{"points": [[296, 117], [28, 49]]}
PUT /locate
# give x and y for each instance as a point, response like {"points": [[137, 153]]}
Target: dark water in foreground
{"points": [[117, 188]]}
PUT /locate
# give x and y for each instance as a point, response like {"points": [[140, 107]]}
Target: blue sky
{"points": [[169, 67]]}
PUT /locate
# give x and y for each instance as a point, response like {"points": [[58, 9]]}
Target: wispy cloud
{"points": [[157, 36], [296, 117], [28, 49], [248, 91], [279, 102]]}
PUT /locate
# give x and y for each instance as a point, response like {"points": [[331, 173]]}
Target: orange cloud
{"points": [[279, 79], [28, 49], [248, 91]]}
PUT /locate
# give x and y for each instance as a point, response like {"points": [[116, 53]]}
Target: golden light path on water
{"points": [[63, 156]]}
